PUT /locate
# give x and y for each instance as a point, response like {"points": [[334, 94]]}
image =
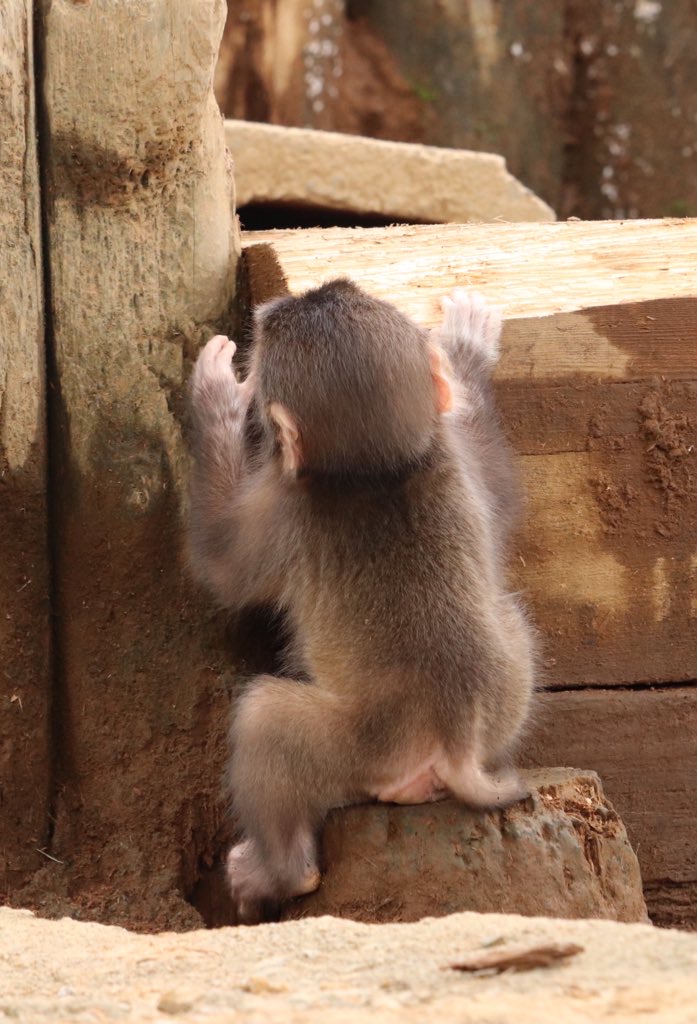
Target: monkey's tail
{"points": [[471, 783]]}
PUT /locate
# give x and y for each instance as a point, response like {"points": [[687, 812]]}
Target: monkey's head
{"points": [[346, 383]]}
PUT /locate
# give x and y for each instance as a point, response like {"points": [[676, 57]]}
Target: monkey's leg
{"points": [[288, 768]]}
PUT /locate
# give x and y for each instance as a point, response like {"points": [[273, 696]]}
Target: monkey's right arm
{"points": [[470, 335], [233, 541]]}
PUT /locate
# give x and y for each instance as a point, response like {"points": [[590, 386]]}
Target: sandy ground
{"points": [[324, 969]]}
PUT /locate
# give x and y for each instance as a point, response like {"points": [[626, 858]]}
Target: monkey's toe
{"points": [[309, 882]]}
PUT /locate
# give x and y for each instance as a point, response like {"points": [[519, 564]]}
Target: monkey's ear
{"points": [[442, 380], [289, 436]]}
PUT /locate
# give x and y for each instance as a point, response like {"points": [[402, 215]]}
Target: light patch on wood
{"points": [[560, 346], [21, 387], [286, 24], [660, 589], [566, 558], [692, 583]]}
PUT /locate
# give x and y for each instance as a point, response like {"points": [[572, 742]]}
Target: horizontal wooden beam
{"points": [[530, 269], [597, 385], [642, 744]]}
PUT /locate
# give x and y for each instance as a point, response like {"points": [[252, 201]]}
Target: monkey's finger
{"points": [[214, 346], [223, 357], [246, 388]]}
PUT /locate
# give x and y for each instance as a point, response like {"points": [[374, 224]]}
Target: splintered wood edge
{"points": [[530, 270]]}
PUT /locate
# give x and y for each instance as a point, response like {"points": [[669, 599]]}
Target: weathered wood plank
{"points": [[642, 744], [24, 622], [530, 269], [598, 399]]}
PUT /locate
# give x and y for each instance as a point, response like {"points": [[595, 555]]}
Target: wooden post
{"points": [[24, 630], [142, 248]]}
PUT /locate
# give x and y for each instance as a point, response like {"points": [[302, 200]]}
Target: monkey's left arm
{"points": [[233, 531]]}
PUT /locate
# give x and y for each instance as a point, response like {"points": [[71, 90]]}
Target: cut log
{"points": [[597, 385], [562, 853], [532, 270], [395, 180], [142, 252], [24, 584]]}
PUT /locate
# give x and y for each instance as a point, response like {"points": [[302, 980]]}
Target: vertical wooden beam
{"points": [[24, 629], [143, 249]]}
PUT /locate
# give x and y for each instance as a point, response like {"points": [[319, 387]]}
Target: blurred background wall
{"points": [[592, 102]]}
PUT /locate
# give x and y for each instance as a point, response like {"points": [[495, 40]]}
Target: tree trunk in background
{"points": [[635, 153], [24, 624], [496, 76], [300, 63], [592, 104], [143, 250]]}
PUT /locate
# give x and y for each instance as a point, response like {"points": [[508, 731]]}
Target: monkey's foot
{"points": [[469, 323], [309, 882], [255, 889]]}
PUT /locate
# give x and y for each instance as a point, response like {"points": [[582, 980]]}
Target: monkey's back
{"points": [[395, 590]]}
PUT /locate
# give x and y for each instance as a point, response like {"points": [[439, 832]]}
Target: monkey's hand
{"points": [[470, 328], [216, 397]]}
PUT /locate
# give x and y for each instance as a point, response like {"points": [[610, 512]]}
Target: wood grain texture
{"points": [[597, 385], [143, 252], [529, 269], [642, 744], [24, 622]]}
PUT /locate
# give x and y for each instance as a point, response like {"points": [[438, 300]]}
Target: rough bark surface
{"points": [[327, 971], [562, 853], [24, 582], [494, 77], [142, 264], [632, 144], [297, 62]]}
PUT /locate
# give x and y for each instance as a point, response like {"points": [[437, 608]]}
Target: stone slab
{"points": [[397, 180], [562, 853]]}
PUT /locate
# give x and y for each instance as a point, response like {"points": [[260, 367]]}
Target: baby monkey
{"points": [[374, 512]]}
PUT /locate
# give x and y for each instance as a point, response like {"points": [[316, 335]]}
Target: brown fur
{"points": [[378, 523]]}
